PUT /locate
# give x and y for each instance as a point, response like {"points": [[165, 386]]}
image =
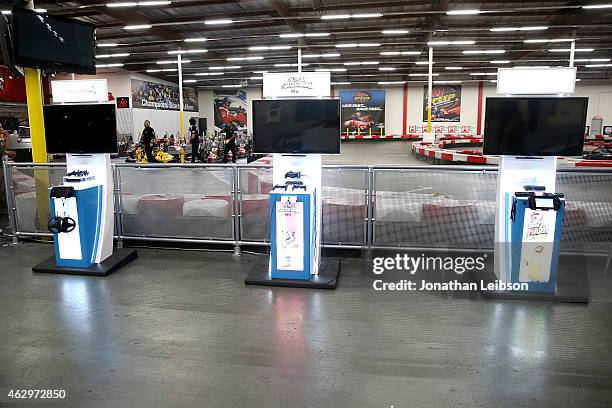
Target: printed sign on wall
{"points": [[230, 107], [363, 110], [445, 103], [152, 95]]}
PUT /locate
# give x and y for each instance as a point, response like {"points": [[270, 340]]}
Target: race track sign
{"points": [[296, 84]]}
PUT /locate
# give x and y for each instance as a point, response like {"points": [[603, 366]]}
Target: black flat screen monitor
{"points": [[535, 126], [90, 128], [53, 43], [296, 126]]}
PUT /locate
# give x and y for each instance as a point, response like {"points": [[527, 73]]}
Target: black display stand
{"points": [[327, 278], [572, 287], [118, 259]]}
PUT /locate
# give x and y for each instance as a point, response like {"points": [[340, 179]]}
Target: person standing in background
{"points": [[148, 139], [230, 142], [194, 139]]}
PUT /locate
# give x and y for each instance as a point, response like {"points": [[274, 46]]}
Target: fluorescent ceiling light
{"points": [[453, 68], [138, 27], [461, 42], [289, 65], [6, 12], [340, 83], [328, 55], [208, 73], [387, 69], [317, 34], [423, 62], [484, 51], [188, 81], [544, 40], [336, 17], [196, 39], [218, 22], [367, 15], [447, 82], [231, 86], [499, 62], [108, 65], [258, 78], [528, 28], [369, 45], [153, 3], [291, 35], [251, 58], [270, 48], [162, 70], [186, 61], [466, 12], [569, 49], [108, 45], [122, 4], [421, 75], [592, 60], [388, 53], [226, 67], [597, 6], [123, 54], [493, 81], [578, 79], [391, 82], [330, 70], [482, 73], [598, 65], [40, 10], [391, 32]]}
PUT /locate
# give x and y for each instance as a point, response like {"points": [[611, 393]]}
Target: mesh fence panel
{"points": [[587, 224], [430, 207], [174, 202], [344, 206], [33, 209], [255, 186]]}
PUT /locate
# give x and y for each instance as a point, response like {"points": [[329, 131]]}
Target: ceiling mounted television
{"points": [[53, 43], [298, 126], [535, 126], [89, 128]]}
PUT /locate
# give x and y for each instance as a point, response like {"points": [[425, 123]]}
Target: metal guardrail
{"points": [[381, 187]]}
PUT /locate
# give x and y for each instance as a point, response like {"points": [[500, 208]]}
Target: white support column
{"points": [[299, 63], [572, 52], [180, 81], [429, 136]]}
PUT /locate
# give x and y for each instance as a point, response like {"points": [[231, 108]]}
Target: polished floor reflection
{"points": [[179, 328]]}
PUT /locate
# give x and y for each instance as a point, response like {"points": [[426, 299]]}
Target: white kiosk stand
{"points": [[527, 240], [82, 218], [295, 202]]}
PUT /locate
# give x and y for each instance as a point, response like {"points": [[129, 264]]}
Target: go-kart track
{"points": [[467, 149]]}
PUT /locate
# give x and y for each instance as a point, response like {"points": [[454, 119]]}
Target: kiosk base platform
{"points": [[329, 270], [572, 287], [118, 259]]}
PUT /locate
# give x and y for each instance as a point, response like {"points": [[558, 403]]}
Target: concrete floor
{"points": [[179, 328]]}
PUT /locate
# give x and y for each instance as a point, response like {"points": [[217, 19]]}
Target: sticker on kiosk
{"points": [[290, 234]]}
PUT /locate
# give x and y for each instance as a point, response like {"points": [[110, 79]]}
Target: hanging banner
{"points": [[363, 111], [152, 95], [278, 84], [230, 107], [445, 103]]}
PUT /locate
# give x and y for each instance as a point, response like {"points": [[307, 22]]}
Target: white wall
{"points": [[599, 94]]}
